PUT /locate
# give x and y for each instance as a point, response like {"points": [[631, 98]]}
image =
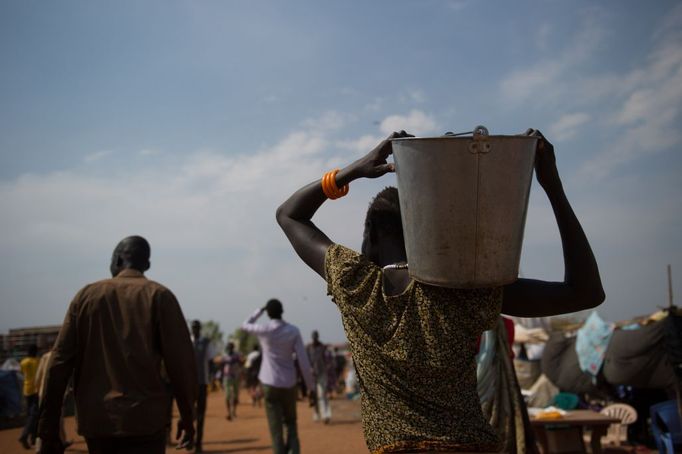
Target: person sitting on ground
{"points": [[413, 344]]}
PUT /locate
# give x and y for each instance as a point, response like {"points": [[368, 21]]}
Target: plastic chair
{"points": [[666, 428], [618, 433]]}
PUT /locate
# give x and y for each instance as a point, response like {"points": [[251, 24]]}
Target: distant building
{"points": [[15, 343]]}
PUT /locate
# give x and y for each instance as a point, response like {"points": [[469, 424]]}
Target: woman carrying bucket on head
{"points": [[414, 343]]}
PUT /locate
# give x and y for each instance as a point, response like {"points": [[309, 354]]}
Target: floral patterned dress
{"points": [[415, 357]]}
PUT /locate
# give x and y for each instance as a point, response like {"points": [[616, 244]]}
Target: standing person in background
{"points": [[413, 344], [252, 366], [41, 376], [280, 341], [339, 368], [29, 367], [202, 355], [322, 364], [232, 367], [116, 335]]}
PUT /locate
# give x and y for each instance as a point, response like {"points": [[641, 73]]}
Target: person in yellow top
{"points": [[41, 385], [29, 366]]}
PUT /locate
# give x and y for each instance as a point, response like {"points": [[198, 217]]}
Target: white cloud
{"points": [[416, 96], [457, 5], [542, 36], [375, 105], [149, 152], [327, 122], [546, 76], [637, 111], [568, 125], [361, 145], [416, 122], [97, 155], [648, 116], [210, 218]]}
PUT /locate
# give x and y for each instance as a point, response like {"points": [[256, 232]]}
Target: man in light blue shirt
{"points": [[280, 341]]}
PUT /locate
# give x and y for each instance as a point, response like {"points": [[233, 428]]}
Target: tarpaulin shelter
{"points": [[10, 394], [639, 356]]}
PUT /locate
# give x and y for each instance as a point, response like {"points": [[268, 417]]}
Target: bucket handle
{"points": [[479, 145], [478, 132]]}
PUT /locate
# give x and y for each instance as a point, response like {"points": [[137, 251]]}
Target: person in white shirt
{"points": [[252, 366], [280, 341]]}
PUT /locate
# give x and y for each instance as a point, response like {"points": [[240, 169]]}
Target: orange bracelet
{"points": [[329, 185]]}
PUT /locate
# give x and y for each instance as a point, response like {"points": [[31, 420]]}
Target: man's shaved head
{"points": [[131, 252]]}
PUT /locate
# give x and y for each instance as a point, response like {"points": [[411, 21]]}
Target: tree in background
{"points": [[243, 341], [211, 330]]}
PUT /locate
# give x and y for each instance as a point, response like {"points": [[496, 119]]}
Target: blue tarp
{"points": [[10, 394]]}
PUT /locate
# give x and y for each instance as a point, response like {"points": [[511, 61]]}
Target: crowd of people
{"points": [[283, 358], [234, 370], [127, 349]]}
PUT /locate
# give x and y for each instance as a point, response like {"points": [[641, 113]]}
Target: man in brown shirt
{"points": [[117, 335]]}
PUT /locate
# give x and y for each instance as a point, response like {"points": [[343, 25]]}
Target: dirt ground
{"points": [[248, 433]]}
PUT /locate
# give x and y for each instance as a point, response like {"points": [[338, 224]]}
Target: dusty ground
{"points": [[248, 433]]}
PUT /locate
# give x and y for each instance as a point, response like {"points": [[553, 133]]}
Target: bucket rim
{"points": [[497, 136]]}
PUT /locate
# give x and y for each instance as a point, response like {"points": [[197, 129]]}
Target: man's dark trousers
{"points": [[280, 408], [201, 413], [146, 444], [31, 426]]}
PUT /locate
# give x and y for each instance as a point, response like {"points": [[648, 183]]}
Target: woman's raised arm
{"points": [[295, 214], [582, 287]]}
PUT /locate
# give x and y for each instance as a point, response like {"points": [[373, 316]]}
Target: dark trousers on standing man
{"points": [[145, 444], [201, 414], [31, 426], [280, 408]]}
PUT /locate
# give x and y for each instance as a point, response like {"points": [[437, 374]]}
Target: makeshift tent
{"points": [[634, 357], [560, 364], [10, 394], [639, 358]]}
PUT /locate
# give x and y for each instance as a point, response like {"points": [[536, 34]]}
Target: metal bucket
{"points": [[463, 202]]}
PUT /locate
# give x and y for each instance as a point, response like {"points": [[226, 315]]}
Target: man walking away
{"points": [[202, 355], [29, 366], [279, 341], [232, 366], [116, 335], [322, 364]]}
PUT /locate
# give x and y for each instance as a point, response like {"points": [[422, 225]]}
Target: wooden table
{"points": [[576, 419]]}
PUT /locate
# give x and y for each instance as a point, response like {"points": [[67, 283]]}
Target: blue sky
{"points": [[189, 122]]}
